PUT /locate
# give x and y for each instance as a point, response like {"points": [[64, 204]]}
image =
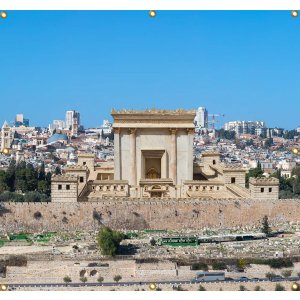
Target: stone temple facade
{"points": [[153, 158]]}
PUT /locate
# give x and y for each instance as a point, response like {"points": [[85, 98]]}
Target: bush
{"points": [[67, 279], [117, 278], [242, 288], [279, 287], [199, 266], [16, 261], [83, 279], [286, 273], [100, 279], [280, 263], [257, 288], [201, 288], [219, 265]]}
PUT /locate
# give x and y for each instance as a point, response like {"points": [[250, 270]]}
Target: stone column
{"points": [[173, 158], [117, 154], [190, 136], [132, 132]]}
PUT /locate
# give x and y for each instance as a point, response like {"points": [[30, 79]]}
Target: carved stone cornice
{"points": [[132, 130], [117, 130], [173, 130], [190, 130]]}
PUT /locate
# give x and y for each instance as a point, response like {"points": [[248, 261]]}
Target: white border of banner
{"points": [[149, 4]]}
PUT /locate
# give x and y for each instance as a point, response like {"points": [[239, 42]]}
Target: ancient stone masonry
{"points": [[124, 213]]}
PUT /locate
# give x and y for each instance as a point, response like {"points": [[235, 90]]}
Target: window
{"points": [[262, 190], [59, 186], [232, 179], [101, 187], [190, 187], [115, 187], [84, 163], [67, 187], [214, 162], [122, 188], [93, 187], [81, 179], [270, 190]]}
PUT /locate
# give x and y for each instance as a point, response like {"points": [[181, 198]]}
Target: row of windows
{"points": [[102, 188], [262, 190], [204, 188], [60, 187]]}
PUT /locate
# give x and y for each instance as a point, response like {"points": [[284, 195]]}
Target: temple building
{"points": [[153, 158]]}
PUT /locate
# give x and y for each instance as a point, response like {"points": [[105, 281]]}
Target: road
{"points": [[131, 283]]}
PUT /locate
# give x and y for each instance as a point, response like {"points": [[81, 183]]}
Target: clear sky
{"points": [[244, 64]]}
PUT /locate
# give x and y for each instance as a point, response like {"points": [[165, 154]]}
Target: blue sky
{"points": [[244, 64]]}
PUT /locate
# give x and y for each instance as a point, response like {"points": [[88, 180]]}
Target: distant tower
{"points": [[6, 136], [73, 121], [201, 118], [20, 153]]}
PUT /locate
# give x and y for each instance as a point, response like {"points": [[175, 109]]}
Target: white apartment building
{"points": [[245, 127]]}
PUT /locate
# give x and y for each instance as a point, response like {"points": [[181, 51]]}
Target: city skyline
{"points": [[241, 64]]}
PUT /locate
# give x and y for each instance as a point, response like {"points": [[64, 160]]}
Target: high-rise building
{"points": [[73, 121], [201, 118], [21, 121]]}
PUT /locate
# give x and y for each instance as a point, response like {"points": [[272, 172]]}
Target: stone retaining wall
{"points": [[143, 214]]}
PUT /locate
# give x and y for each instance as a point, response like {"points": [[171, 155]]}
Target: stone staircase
{"points": [[239, 191]]}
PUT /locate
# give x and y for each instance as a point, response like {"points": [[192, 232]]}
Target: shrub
{"points": [[219, 265], [201, 288], [100, 279], [279, 287], [117, 278], [67, 279], [242, 288], [280, 263], [199, 266], [257, 288], [83, 279], [286, 273]]}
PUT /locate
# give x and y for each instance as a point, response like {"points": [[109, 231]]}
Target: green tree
{"points": [[286, 273], [42, 174], [109, 241], [83, 279], [67, 279], [100, 279], [255, 172], [241, 264], [265, 226], [279, 287], [117, 278]]}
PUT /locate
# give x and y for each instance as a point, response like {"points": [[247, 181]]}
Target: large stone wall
{"points": [[141, 214]]}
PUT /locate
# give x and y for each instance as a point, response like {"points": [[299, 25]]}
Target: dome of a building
{"points": [[57, 137]]}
